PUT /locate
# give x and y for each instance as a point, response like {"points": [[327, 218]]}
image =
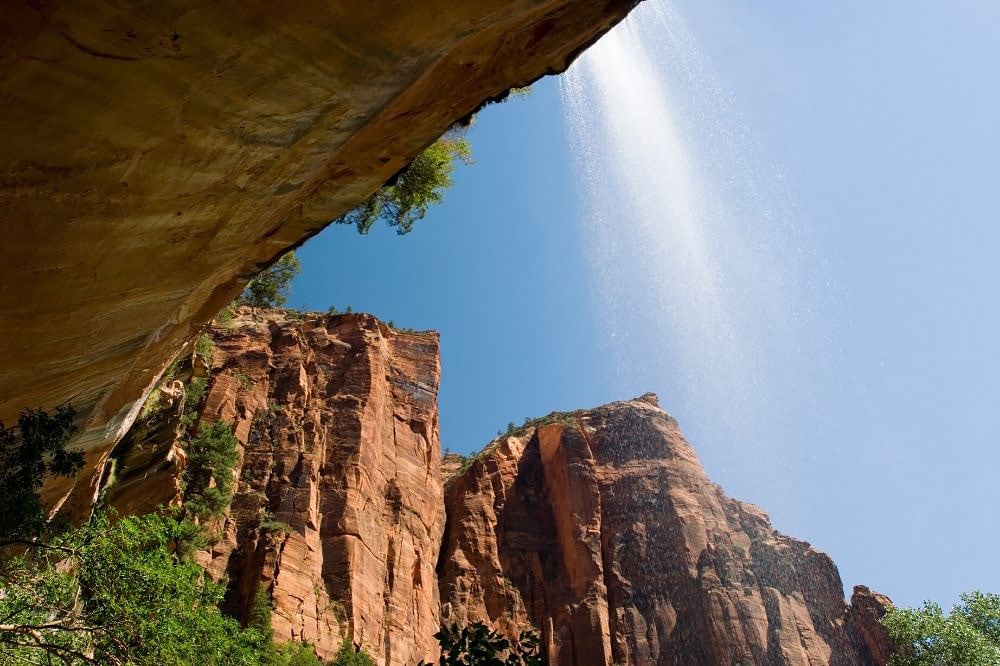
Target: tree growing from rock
{"points": [[406, 197], [270, 288], [208, 472]]}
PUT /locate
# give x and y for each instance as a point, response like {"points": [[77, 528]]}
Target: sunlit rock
{"points": [[600, 529]]}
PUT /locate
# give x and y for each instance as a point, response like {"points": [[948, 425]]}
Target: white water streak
{"points": [[694, 267]]}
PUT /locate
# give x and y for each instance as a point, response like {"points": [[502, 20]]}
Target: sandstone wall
{"points": [[338, 511], [157, 154], [601, 530], [339, 420], [598, 528]]}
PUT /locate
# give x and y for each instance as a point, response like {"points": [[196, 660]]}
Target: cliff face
{"points": [[338, 511], [600, 529], [339, 420], [157, 154]]}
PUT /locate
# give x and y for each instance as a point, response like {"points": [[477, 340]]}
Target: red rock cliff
{"points": [[338, 511], [339, 419], [600, 529]]}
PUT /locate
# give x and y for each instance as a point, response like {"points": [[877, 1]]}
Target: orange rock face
{"points": [[338, 513], [597, 528], [601, 530], [156, 155]]}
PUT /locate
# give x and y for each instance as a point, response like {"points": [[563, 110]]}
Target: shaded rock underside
{"points": [[156, 155]]}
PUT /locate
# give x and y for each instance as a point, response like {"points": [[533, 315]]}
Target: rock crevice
{"points": [[603, 533], [597, 528]]}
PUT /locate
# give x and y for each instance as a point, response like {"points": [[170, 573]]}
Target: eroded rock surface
{"points": [[157, 154], [600, 529], [338, 511]]}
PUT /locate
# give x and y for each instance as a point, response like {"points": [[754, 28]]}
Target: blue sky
{"points": [[872, 133]]}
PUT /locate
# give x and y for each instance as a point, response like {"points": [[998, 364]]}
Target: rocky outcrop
{"points": [[156, 155], [338, 513], [866, 610], [144, 471], [597, 528], [600, 529]]}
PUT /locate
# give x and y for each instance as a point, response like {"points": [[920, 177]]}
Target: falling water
{"points": [[695, 270]]}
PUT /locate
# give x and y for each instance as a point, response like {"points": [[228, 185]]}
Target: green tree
{"points": [[351, 655], [968, 636], [295, 654], [271, 286], [405, 198], [208, 472], [118, 593], [478, 645], [36, 447]]}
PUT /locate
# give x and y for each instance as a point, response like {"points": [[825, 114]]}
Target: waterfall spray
{"points": [[695, 270]]}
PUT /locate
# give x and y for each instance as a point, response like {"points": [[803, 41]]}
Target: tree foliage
{"points": [[270, 288], [118, 593], [405, 198], [925, 636], [293, 654], [36, 447], [478, 645], [351, 655], [208, 472]]}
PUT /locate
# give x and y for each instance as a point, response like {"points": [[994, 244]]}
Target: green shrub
{"points": [[227, 317], [204, 347], [208, 471], [350, 655], [244, 381], [567, 419], [268, 525], [466, 464], [195, 392], [294, 654]]}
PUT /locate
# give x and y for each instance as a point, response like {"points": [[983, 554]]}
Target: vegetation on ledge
{"points": [[270, 288]]}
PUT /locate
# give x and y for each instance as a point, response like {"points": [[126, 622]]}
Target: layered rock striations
{"points": [[597, 528], [600, 529], [337, 514], [157, 154]]}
